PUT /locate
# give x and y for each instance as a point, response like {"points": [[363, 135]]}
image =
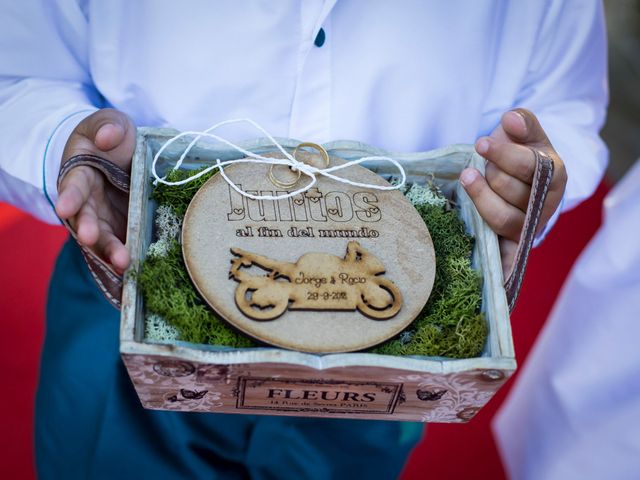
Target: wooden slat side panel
{"points": [[166, 383], [137, 225], [487, 260]]}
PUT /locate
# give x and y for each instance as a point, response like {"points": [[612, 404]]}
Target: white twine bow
{"points": [[306, 169]]}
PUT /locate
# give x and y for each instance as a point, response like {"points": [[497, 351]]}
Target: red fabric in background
{"points": [[28, 249], [27, 253]]}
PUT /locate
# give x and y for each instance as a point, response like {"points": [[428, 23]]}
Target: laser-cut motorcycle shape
{"points": [[317, 281]]}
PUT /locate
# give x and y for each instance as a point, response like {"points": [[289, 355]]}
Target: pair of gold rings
{"points": [[282, 184]]}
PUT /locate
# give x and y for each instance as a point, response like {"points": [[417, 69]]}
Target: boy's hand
{"points": [[96, 210], [502, 197]]}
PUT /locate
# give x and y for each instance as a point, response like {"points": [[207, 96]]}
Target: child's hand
{"points": [[96, 210], [502, 198]]}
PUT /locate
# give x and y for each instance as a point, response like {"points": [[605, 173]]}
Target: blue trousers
{"points": [[90, 424]]}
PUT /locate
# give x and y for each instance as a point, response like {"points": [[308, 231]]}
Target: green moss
{"points": [[179, 197], [450, 325], [156, 329], [168, 292]]}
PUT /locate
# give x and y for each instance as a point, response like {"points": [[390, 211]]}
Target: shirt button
{"points": [[320, 38]]}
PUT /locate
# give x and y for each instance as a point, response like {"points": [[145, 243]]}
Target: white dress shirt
{"points": [[574, 412], [402, 75]]}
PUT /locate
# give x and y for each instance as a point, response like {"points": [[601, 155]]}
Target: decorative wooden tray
{"points": [[190, 377]]}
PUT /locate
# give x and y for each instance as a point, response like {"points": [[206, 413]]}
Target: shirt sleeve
{"points": [[566, 87], [45, 91]]}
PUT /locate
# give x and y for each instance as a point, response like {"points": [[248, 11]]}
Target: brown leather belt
{"points": [[109, 282]]}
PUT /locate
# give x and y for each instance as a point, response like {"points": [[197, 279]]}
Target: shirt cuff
{"points": [[550, 223], [53, 153]]}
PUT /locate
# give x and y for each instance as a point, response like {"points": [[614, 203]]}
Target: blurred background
{"points": [[28, 249], [622, 132]]}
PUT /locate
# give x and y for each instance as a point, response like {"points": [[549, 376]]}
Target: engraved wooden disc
{"points": [[336, 269]]}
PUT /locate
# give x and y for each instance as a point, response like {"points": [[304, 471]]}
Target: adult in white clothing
{"points": [[574, 412]]}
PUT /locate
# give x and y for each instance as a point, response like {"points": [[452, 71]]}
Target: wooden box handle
{"points": [[539, 189], [109, 282]]}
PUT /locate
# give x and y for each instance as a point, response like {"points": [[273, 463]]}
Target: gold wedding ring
{"points": [[281, 184], [315, 146]]}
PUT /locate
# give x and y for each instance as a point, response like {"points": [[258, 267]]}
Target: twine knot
{"points": [[301, 168]]}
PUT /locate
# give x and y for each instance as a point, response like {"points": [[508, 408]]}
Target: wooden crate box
{"points": [[201, 378]]}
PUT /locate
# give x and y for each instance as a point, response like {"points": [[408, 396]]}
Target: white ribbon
{"points": [[308, 170]]}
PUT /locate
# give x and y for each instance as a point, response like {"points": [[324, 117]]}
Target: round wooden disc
{"points": [[336, 269]]}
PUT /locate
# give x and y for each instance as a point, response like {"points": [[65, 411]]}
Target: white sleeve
{"points": [[45, 91], [566, 87]]}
